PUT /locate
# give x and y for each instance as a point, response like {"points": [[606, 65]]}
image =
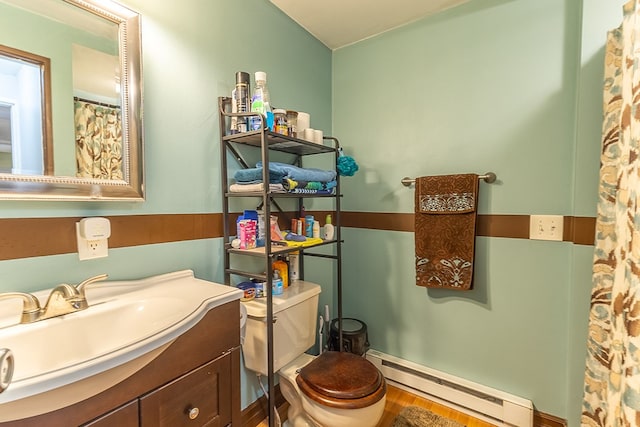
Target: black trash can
{"points": [[354, 336]]}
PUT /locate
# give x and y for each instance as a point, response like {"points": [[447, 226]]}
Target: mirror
{"points": [[85, 142]]}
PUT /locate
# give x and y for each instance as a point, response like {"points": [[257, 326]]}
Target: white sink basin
{"points": [[127, 324]]}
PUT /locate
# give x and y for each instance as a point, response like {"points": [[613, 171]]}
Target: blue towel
{"points": [[300, 174], [254, 176]]}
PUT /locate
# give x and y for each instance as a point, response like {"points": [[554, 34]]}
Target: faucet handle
{"points": [[82, 286], [30, 305]]}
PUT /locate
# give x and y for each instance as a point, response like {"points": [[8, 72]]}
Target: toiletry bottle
{"points": [[283, 271], [316, 229], [329, 230], [280, 121], [294, 266], [308, 224], [276, 284], [240, 102], [261, 103], [261, 230]]}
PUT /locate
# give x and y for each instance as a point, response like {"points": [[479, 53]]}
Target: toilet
{"points": [[335, 389]]}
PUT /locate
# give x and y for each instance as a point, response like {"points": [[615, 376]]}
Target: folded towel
{"points": [[305, 191], [301, 174], [309, 241], [290, 184], [445, 228], [254, 175], [252, 188]]}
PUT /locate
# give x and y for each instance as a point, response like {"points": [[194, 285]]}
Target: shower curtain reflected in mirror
{"points": [[98, 130], [612, 377]]}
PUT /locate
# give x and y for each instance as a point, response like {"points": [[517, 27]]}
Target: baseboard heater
{"points": [[491, 405]]}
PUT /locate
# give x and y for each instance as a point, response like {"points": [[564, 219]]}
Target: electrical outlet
{"points": [[546, 227], [91, 249]]}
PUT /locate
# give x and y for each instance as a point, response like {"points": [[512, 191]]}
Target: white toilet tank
{"points": [[294, 331]]}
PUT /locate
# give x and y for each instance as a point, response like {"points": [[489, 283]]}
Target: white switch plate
{"points": [[91, 249], [546, 227]]}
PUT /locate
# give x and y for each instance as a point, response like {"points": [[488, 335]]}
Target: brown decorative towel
{"points": [[445, 230], [413, 416]]}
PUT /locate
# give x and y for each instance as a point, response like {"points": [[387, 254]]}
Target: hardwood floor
{"points": [[398, 399]]}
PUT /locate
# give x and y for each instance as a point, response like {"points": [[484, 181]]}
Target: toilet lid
{"points": [[342, 379]]}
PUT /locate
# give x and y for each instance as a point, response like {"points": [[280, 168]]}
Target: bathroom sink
{"points": [[127, 324]]}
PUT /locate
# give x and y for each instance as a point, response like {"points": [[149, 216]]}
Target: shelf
{"points": [[275, 249], [264, 141], [278, 142], [244, 273]]}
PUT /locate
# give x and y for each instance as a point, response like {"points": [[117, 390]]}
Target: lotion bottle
{"points": [[329, 229], [316, 229]]}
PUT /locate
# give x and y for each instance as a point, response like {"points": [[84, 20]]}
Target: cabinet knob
{"points": [[193, 413], [6, 368]]}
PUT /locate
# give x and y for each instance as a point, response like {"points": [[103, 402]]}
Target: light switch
{"points": [[546, 227]]}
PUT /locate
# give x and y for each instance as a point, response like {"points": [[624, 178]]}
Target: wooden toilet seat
{"points": [[342, 380]]}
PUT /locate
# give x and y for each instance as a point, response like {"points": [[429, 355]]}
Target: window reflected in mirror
{"points": [[6, 159], [25, 139]]}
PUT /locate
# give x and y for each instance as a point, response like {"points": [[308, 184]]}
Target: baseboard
{"points": [[253, 414], [545, 420]]}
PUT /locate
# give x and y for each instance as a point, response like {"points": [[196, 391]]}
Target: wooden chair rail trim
{"points": [[33, 237]]}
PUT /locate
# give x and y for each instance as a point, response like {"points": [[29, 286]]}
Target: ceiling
{"points": [[338, 23]]}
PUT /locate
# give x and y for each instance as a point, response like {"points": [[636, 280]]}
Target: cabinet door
{"points": [[124, 416], [197, 399]]}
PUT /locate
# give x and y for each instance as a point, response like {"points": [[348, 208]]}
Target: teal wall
{"points": [[509, 86], [191, 51]]}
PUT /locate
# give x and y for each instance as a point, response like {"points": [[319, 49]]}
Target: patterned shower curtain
{"points": [[98, 141], [612, 377]]}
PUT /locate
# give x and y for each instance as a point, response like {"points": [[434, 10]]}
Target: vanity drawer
{"points": [[197, 399], [124, 416]]}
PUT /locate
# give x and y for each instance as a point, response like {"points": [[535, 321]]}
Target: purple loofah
{"points": [[347, 166]]}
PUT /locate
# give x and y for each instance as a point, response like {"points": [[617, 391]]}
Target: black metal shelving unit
{"points": [[267, 141]]}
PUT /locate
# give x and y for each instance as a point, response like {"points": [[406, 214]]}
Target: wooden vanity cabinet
{"points": [[124, 416], [199, 373], [199, 398]]}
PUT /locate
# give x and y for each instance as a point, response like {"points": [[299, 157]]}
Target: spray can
{"points": [[240, 102]]}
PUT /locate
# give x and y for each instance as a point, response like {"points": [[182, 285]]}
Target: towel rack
{"points": [[488, 177]]}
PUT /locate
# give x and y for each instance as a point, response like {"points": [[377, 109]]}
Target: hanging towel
{"points": [[445, 230]]}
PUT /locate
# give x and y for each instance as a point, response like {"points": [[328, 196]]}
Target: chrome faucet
{"points": [[30, 305]]}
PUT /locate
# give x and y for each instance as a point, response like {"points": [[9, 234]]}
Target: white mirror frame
{"points": [[131, 188]]}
